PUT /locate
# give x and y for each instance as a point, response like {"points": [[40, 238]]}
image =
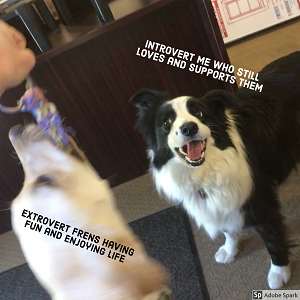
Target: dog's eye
{"points": [[199, 113], [167, 122], [44, 180]]}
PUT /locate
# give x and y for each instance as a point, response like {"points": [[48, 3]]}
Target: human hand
{"points": [[16, 61]]}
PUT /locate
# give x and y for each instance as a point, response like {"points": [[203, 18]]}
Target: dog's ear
{"points": [[148, 102], [148, 99], [219, 100]]}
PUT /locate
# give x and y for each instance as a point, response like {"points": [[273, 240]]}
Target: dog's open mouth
{"points": [[193, 152]]}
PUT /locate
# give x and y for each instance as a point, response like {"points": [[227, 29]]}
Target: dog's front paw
{"points": [[278, 276], [224, 256]]}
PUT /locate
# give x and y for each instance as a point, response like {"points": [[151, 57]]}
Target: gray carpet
{"points": [[167, 236], [19, 283]]}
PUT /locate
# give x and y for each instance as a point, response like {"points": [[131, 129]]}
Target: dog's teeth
{"points": [[182, 152], [195, 161], [188, 159]]}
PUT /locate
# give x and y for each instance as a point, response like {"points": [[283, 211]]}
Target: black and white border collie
{"points": [[223, 156]]}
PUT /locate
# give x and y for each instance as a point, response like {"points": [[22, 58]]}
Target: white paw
{"points": [[224, 256], [278, 276]]}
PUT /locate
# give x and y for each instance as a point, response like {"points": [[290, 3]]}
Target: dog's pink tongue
{"points": [[194, 150]]}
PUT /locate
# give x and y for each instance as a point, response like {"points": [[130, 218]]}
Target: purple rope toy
{"points": [[45, 114]]}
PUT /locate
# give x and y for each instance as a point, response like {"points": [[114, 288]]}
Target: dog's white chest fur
{"points": [[226, 179]]}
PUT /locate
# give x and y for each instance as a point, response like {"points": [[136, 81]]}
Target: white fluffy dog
{"points": [[74, 239]]}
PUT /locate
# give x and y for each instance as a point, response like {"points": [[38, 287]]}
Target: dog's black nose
{"points": [[16, 131], [189, 129]]}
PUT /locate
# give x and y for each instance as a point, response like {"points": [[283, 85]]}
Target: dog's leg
{"points": [[273, 235], [226, 253], [278, 275]]}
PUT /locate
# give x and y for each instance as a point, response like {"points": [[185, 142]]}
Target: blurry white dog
{"points": [[73, 259]]}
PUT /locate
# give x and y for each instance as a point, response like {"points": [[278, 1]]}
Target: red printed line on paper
{"points": [[220, 19]]}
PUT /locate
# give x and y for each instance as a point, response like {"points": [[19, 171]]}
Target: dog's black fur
{"points": [[269, 124]]}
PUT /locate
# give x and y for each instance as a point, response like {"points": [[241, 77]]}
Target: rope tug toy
{"points": [[47, 118], [45, 114]]}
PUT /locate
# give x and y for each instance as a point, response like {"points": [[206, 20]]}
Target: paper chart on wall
{"points": [[239, 18]]}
